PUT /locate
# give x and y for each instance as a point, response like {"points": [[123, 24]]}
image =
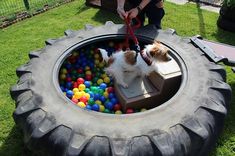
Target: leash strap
{"points": [[130, 33]]}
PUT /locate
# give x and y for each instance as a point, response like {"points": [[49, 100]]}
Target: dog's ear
{"points": [[157, 42]]}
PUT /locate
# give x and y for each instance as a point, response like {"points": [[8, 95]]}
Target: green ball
{"points": [[106, 111]]}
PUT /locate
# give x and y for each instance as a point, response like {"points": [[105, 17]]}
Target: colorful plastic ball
{"points": [[88, 72], [97, 56], [100, 91], [103, 86], [106, 111], [80, 70], [87, 95], [118, 112], [96, 96], [63, 71], [111, 95], [97, 61], [80, 80], [75, 85], [117, 107], [81, 104], [87, 84], [106, 94], [78, 95], [143, 109], [110, 90], [69, 85], [75, 100], [107, 80], [88, 107], [81, 87], [102, 99], [91, 94], [87, 68], [98, 102], [95, 107], [69, 93], [109, 105], [91, 101], [86, 90], [75, 90], [68, 79], [129, 111], [62, 76], [113, 100], [99, 81], [83, 99], [102, 108], [88, 77]]}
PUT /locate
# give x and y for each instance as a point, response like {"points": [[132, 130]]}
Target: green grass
{"points": [[17, 40]]}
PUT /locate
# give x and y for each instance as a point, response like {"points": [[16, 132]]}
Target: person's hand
{"points": [[160, 4], [122, 13], [133, 13]]}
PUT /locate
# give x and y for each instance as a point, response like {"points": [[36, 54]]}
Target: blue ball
{"points": [[114, 100], [62, 88], [69, 85], [87, 84], [96, 96], [69, 93], [103, 86], [91, 94], [95, 107], [109, 105], [68, 65], [111, 95], [102, 99], [88, 107]]}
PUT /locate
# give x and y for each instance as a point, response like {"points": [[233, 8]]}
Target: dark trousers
{"points": [[153, 13]]}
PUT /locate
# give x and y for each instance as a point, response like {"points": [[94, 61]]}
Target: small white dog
{"points": [[126, 61]]}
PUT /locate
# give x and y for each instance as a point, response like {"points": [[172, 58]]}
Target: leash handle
{"points": [[130, 30]]}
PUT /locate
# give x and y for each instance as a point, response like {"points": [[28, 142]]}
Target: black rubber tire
{"points": [[187, 124]]}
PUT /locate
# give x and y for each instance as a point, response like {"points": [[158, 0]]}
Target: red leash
{"points": [[130, 32]]}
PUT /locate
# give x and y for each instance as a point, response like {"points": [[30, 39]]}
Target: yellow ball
{"points": [[88, 72], [87, 96], [118, 112], [75, 90], [101, 65], [99, 81], [107, 79], [62, 76], [81, 87], [102, 108], [104, 75], [143, 109], [106, 94], [78, 95], [98, 102], [97, 62], [81, 104], [97, 56], [87, 68]]}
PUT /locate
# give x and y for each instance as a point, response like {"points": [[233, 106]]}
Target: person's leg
{"points": [[141, 16], [154, 14]]}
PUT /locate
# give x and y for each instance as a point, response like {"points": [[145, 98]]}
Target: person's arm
{"points": [[120, 8], [135, 11]]}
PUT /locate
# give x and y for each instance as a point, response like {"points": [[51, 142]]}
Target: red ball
{"points": [[80, 71], [110, 89], [83, 99], [117, 107], [68, 79], [80, 80], [75, 100], [75, 85], [88, 77], [129, 111]]}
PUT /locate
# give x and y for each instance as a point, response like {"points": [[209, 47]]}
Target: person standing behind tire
{"points": [[153, 9]]}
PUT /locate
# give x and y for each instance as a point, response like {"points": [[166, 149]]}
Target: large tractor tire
{"points": [[187, 124]]}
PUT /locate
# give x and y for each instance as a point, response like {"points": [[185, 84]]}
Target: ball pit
{"points": [[84, 82]]}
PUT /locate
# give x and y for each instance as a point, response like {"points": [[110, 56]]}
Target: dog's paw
{"points": [[124, 85]]}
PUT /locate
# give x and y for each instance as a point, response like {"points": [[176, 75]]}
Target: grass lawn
{"points": [[17, 40]]}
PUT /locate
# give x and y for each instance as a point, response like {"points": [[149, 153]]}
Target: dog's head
{"points": [[158, 51]]}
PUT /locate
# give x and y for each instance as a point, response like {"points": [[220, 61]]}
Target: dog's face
{"points": [[158, 51]]}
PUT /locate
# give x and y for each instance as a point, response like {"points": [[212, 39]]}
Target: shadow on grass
{"points": [[225, 36], [201, 20], [82, 8], [14, 145], [103, 16]]}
